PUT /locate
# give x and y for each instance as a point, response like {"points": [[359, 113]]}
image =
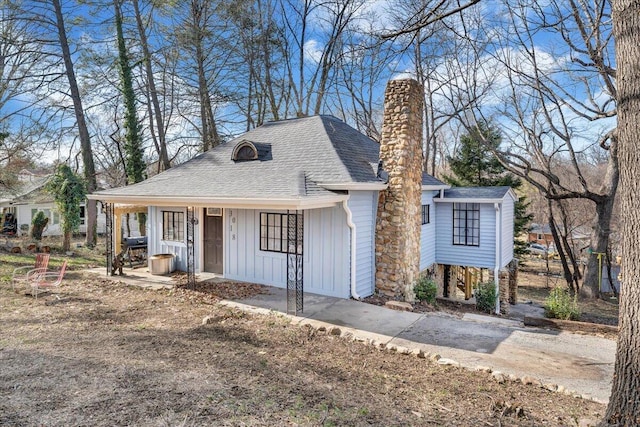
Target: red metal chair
{"points": [[41, 281], [20, 274]]}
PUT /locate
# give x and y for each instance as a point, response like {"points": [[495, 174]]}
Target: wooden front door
{"points": [[213, 244]]}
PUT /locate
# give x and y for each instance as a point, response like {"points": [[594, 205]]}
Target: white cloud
{"points": [[313, 51]]}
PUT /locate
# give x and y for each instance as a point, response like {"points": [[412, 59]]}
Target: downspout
{"points": [[352, 228], [496, 271]]}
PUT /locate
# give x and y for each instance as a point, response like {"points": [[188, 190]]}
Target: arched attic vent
{"points": [[244, 150]]}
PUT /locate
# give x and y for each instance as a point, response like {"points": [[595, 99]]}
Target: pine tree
{"points": [[473, 164]]}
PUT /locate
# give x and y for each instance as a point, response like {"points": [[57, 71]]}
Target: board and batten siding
{"points": [[507, 215], [482, 256], [178, 248], [428, 232], [325, 258], [363, 206]]}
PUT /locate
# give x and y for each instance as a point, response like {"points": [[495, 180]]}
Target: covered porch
{"points": [[200, 239]]}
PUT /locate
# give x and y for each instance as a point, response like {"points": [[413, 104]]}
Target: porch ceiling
{"points": [[127, 209]]}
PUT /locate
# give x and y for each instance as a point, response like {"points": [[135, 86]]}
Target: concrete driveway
{"points": [[582, 364]]}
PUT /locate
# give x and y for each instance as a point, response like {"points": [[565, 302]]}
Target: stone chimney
{"points": [[398, 223]]}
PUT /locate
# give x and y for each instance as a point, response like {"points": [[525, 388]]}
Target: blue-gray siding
{"points": [[428, 233], [363, 206], [483, 256], [507, 231]]}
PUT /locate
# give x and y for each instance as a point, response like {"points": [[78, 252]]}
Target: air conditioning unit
{"points": [[214, 211]]}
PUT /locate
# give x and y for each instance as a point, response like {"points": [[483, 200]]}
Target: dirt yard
{"points": [[104, 354], [535, 282]]}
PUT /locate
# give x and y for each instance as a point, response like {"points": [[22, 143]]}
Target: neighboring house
{"points": [[31, 197], [540, 233], [309, 202], [579, 237]]}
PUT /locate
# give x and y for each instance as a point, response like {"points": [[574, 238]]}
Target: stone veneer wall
{"points": [[508, 286], [399, 223], [441, 279], [513, 281]]}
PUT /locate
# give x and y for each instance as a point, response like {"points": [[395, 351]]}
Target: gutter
{"points": [[343, 186], [352, 227], [498, 246], [226, 202]]}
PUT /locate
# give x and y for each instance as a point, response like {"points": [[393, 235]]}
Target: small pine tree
{"points": [[474, 164]]}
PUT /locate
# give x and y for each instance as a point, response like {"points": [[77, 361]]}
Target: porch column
{"points": [[191, 267], [108, 211], [295, 276]]}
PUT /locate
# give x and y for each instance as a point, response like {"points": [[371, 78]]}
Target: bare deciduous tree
{"points": [[547, 101], [159, 130], [83, 131]]}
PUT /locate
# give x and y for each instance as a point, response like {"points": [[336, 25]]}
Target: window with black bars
{"points": [[274, 229], [466, 224], [173, 226], [425, 214]]}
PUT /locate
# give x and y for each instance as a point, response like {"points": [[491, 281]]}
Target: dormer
{"points": [[244, 150]]}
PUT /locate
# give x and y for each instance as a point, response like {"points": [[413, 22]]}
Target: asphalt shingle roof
{"points": [[430, 180], [476, 192], [294, 156], [29, 192]]}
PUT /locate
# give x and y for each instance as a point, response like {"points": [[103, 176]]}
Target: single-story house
{"points": [[312, 203], [541, 233], [30, 197]]}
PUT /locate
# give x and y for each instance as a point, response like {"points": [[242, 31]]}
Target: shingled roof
{"points": [[313, 159], [430, 181], [28, 192], [472, 194]]}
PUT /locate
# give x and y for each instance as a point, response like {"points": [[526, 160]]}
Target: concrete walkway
{"points": [[578, 364], [581, 364]]}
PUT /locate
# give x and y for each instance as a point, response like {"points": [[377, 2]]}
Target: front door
{"points": [[213, 246]]}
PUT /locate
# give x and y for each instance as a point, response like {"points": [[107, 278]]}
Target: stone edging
{"points": [[569, 325], [383, 343]]}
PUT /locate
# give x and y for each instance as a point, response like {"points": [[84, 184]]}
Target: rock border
{"points": [[383, 343], [569, 325]]}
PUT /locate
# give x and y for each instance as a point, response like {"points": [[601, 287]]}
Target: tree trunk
{"points": [[210, 136], [153, 93], [602, 227], [66, 241], [83, 131], [624, 403], [600, 244], [568, 274]]}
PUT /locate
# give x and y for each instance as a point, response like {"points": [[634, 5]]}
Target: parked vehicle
{"points": [[540, 251]]}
